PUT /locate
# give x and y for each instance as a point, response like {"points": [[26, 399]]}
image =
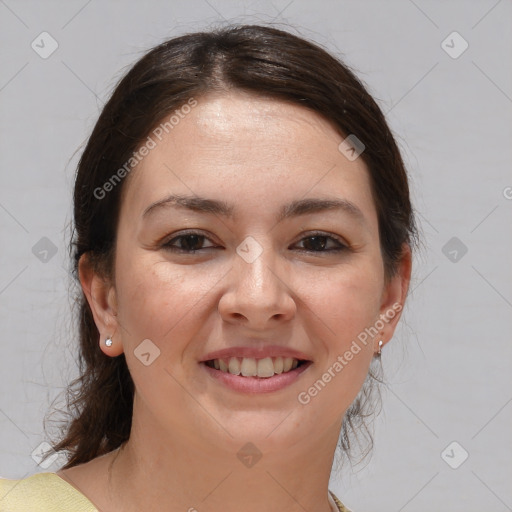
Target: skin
{"points": [[257, 154]]}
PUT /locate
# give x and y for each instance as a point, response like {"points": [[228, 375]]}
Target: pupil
{"points": [[316, 242], [190, 241]]}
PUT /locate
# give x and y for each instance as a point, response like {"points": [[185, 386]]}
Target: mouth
{"points": [[256, 368]]}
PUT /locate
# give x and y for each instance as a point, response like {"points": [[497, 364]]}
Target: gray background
{"points": [[448, 367]]}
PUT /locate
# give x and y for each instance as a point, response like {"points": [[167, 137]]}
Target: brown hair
{"points": [[258, 59]]}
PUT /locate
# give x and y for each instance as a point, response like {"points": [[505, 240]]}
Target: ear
{"points": [[101, 296], [394, 294]]}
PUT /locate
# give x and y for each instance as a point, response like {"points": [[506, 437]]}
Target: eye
{"points": [[320, 242], [187, 243], [192, 242]]}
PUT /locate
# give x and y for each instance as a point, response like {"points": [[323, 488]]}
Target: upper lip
{"points": [[256, 353]]}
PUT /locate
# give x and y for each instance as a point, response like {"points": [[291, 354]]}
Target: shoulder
{"points": [[339, 504], [42, 492]]}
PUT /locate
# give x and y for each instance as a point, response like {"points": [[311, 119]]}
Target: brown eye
{"points": [[189, 242], [322, 243]]}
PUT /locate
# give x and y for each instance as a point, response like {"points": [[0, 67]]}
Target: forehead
{"points": [[239, 145]]}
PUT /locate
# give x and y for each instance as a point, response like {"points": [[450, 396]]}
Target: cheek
{"points": [[160, 301], [355, 309], [347, 304], [347, 299]]}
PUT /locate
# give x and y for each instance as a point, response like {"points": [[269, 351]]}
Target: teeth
{"points": [[234, 366], [265, 367], [250, 367]]}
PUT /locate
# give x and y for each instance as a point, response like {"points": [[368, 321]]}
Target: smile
{"points": [[251, 367], [250, 375]]}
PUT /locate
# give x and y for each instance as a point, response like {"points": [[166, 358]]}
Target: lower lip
{"points": [[257, 384]]}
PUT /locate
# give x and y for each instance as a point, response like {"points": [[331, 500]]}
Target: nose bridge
{"points": [[255, 268], [256, 291]]}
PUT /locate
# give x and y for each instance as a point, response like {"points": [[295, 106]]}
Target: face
{"points": [[246, 231]]}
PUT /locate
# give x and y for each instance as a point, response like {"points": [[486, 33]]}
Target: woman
{"points": [[243, 240]]}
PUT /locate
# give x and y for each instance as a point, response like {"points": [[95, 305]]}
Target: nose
{"points": [[258, 293]]}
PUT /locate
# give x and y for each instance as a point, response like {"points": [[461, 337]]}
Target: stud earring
{"points": [[108, 341]]}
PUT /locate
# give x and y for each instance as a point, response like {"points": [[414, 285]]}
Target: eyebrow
{"points": [[293, 209]]}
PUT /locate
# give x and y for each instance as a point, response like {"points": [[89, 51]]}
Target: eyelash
{"points": [[169, 247]]}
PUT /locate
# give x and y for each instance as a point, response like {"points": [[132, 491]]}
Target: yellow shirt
{"points": [[42, 492], [48, 492]]}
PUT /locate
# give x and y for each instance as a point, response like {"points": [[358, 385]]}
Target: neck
{"points": [[182, 474]]}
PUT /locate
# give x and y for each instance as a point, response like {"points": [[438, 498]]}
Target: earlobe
{"points": [[110, 346], [100, 294]]}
